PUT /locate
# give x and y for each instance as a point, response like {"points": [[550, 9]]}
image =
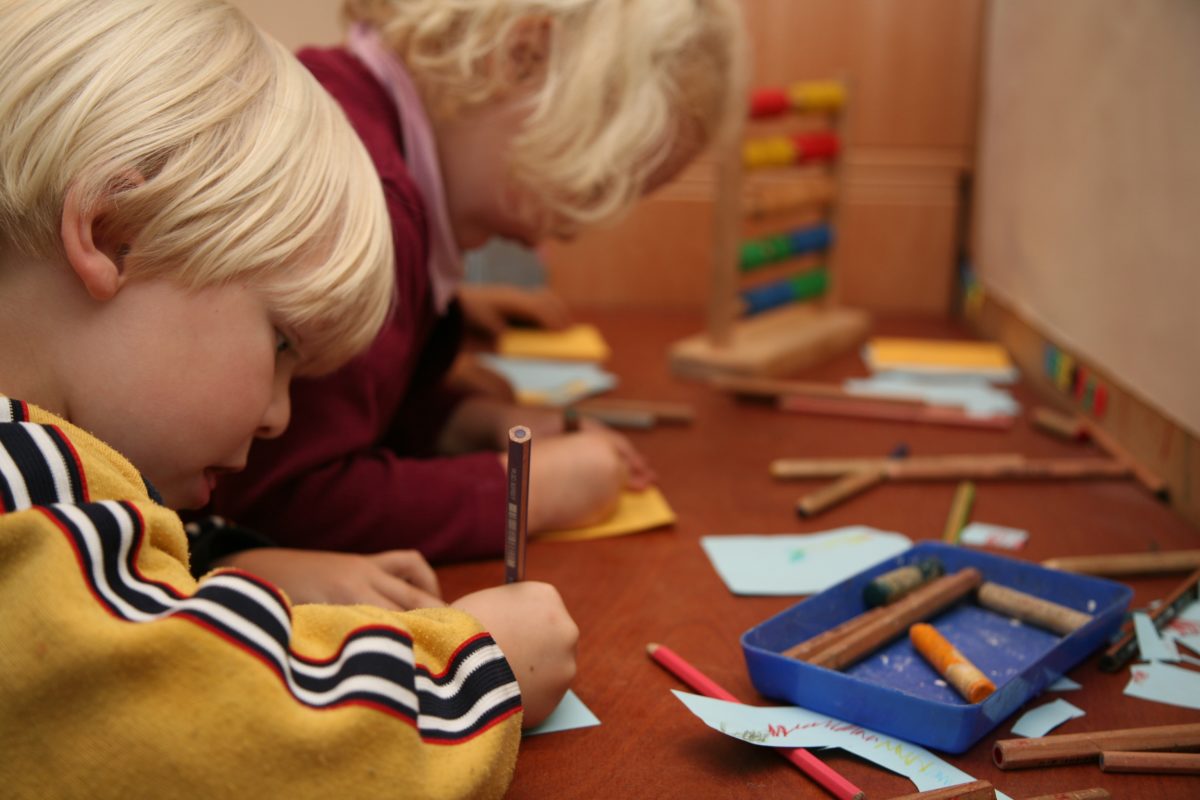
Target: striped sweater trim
{"points": [[374, 667], [38, 465]]}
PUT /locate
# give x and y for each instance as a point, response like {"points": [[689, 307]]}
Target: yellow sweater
{"points": [[122, 676]]}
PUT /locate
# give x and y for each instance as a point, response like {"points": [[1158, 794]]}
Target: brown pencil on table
{"points": [[1075, 748], [1116, 565], [790, 468], [1076, 794], [879, 408], [1153, 763], [975, 790], [840, 490], [896, 618], [960, 512]]}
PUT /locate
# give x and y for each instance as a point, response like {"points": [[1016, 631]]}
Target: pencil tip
{"points": [[650, 648]]}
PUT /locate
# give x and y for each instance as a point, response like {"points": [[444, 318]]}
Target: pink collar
{"points": [[445, 260]]}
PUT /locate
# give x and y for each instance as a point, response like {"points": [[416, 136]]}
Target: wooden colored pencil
{"points": [[1076, 794], [805, 761], [975, 790], [1027, 469], [517, 520], [1075, 748], [945, 658], [1120, 652], [805, 650], [1129, 563], [1154, 763], [960, 511], [857, 407], [1028, 608], [620, 417], [896, 619], [842, 489], [801, 468]]}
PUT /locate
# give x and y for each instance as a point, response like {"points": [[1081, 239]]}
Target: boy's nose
{"points": [[279, 411]]}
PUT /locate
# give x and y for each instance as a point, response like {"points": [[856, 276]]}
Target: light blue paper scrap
{"points": [[972, 393], [1043, 719], [1064, 684], [1152, 646], [791, 726], [570, 714], [562, 382], [795, 564], [1190, 642], [1163, 683]]}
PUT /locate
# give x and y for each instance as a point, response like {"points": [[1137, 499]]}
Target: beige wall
{"points": [[1088, 220], [296, 23]]}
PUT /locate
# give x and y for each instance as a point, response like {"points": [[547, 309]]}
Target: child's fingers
{"points": [[411, 567], [399, 593]]}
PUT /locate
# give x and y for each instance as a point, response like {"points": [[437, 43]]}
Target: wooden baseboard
{"points": [[1155, 440]]}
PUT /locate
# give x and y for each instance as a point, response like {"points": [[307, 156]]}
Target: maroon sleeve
{"points": [[352, 472]]}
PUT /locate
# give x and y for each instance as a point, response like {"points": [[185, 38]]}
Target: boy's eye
{"points": [[282, 345]]}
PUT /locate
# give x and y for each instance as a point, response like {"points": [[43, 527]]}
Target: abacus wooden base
{"points": [[775, 343]]}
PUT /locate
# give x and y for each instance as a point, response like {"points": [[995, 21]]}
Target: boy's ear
{"points": [[95, 251], [529, 50]]}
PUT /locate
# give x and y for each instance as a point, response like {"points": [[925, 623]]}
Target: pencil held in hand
{"points": [[517, 521], [950, 664]]}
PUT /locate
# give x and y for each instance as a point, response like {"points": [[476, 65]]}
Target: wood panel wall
{"points": [[914, 68]]}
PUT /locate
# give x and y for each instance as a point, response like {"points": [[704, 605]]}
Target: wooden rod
{"points": [[797, 468], [680, 413], [1029, 469], [1075, 748], [1129, 563], [1031, 609], [842, 489], [975, 790], [749, 386], [1077, 794], [1154, 763], [923, 603]]}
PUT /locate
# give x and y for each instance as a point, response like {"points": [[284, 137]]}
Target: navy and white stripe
{"points": [[38, 466], [375, 665], [12, 410]]}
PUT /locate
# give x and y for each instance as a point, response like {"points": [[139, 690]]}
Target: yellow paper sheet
{"points": [[576, 343], [887, 353], [636, 511]]}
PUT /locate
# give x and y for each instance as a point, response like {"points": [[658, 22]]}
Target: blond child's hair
{"points": [[210, 143], [626, 84]]}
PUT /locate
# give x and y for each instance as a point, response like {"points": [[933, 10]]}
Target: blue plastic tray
{"points": [[895, 691]]}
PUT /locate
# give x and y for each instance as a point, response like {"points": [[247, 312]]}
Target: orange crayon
{"points": [[950, 664]]}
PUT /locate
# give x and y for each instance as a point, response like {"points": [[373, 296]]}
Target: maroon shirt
{"points": [[355, 469]]}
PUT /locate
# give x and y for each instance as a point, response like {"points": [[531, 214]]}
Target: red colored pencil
{"points": [[805, 761]]}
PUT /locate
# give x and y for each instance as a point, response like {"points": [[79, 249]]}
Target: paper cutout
{"points": [[982, 534], [790, 726], [636, 512], [1064, 684], [1163, 683], [974, 395], [1152, 646], [576, 343], [570, 714], [940, 357], [799, 564], [1043, 719], [540, 382]]}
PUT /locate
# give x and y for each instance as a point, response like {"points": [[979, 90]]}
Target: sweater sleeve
{"points": [[127, 673]]}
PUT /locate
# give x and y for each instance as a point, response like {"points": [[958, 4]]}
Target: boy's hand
{"points": [[533, 628], [490, 308], [396, 579]]}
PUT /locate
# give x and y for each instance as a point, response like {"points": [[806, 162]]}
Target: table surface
{"points": [[659, 586]]}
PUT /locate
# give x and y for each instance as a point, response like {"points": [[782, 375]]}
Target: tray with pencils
{"points": [[1019, 624]]}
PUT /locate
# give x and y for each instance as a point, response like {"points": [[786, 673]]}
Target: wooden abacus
{"points": [[773, 301]]}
